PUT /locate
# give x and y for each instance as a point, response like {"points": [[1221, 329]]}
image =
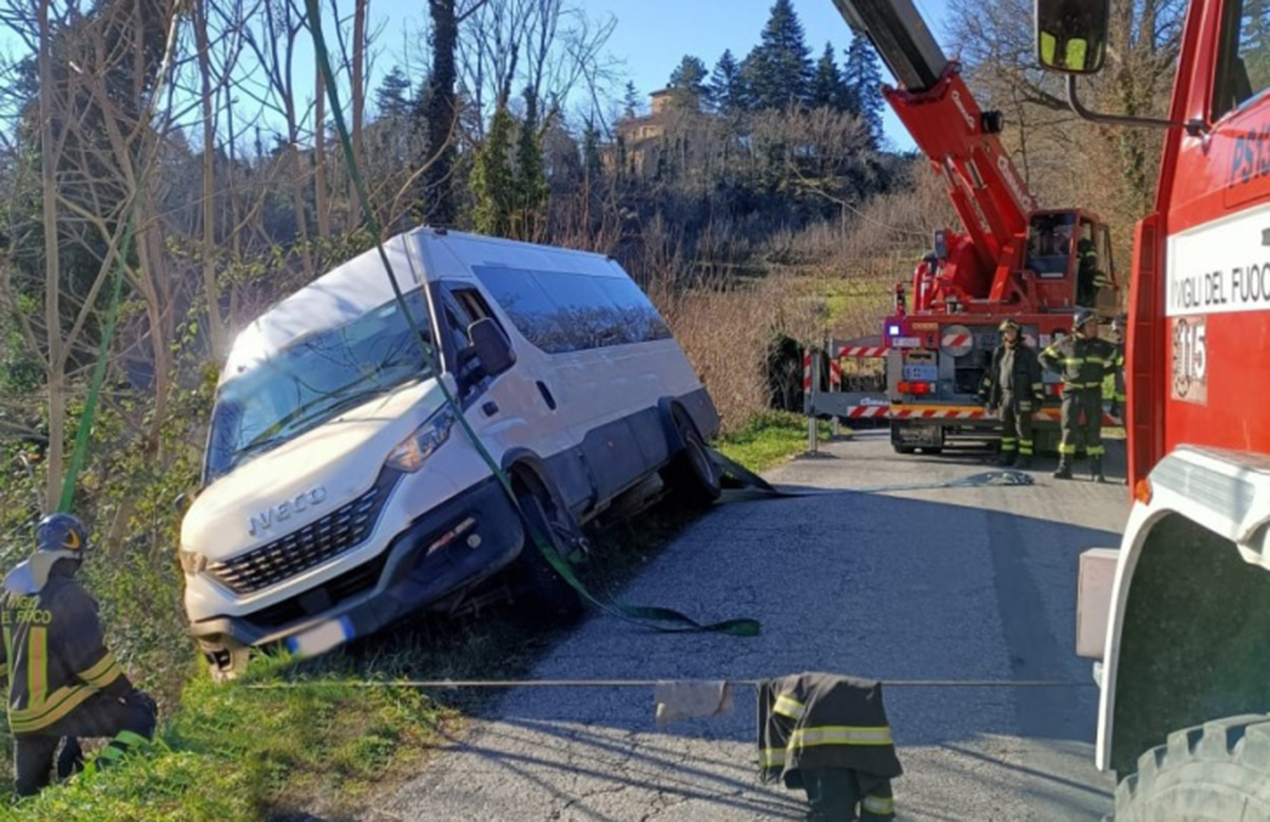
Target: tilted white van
{"points": [[339, 490]]}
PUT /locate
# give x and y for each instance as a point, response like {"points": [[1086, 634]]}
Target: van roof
{"points": [[361, 284]]}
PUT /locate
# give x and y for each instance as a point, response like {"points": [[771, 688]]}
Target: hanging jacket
{"points": [[1082, 363], [54, 654], [818, 720], [1015, 371]]}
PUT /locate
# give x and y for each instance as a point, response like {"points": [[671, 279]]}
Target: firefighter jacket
{"points": [[816, 720], [1015, 371], [53, 654], [1082, 363]]}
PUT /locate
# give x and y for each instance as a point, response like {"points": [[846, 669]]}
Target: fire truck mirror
{"points": [[1071, 35]]}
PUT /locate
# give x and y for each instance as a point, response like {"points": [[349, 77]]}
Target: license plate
{"points": [[920, 435], [921, 373], [321, 638], [906, 342]]}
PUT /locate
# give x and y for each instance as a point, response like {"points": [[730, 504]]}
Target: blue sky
{"points": [[651, 36]]}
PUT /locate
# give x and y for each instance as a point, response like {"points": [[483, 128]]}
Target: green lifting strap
{"points": [[636, 613], [99, 372]]}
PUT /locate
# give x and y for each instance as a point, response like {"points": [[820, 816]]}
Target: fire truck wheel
{"points": [[1216, 771], [546, 594], [692, 472]]}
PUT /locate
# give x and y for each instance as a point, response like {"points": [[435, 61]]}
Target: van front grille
{"points": [[336, 533]]}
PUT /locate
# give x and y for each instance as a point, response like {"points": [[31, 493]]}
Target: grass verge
{"points": [[770, 438]]}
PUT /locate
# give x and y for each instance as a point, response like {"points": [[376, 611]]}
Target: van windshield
{"points": [[312, 380]]}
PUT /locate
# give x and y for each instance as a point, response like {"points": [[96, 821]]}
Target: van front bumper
{"points": [[465, 540]]}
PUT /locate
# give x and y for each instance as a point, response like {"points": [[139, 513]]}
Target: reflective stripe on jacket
{"points": [[1082, 363]]}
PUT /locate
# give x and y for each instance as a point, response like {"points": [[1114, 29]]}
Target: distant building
{"points": [[645, 145]]}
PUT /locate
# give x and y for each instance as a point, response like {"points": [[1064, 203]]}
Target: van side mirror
{"points": [[491, 345], [1071, 35]]}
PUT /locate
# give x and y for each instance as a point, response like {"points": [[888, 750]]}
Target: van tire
{"points": [[1212, 772], [692, 472], [545, 593]]}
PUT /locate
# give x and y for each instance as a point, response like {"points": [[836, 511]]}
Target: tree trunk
{"points": [[437, 200], [210, 289], [319, 159], [359, 70], [52, 267]]}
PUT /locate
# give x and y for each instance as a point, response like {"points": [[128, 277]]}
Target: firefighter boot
{"points": [[1006, 459], [1095, 469], [1024, 463], [1064, 468]]}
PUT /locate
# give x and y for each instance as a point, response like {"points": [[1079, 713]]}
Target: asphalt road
{"points": [[965, 583]]}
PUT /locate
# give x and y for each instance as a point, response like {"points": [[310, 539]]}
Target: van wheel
{"points": [[1217, 771], [692, 472], [546, 593]]}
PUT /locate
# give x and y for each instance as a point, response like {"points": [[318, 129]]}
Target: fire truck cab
{"points": [[1181, 639]]}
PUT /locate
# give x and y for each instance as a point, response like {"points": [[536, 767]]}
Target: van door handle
{"points": [[546, 395]]}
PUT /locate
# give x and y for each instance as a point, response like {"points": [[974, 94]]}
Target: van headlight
{"points": [[192, 562], [410, 455]]}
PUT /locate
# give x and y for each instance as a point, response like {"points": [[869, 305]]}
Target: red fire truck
{"points": [[1013, 259], [1179, 620]]}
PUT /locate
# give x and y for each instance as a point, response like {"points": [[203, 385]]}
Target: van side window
{"points": [[1243, 67], [473, 303], [562, 311]]}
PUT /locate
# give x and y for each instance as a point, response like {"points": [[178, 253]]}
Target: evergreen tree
{"points": [[782, 61], [492, 182], [532, 190], [688, 82], [630, 102], [592, 164], [392, 96], [863, 77], [827, 87], [727, 87]]}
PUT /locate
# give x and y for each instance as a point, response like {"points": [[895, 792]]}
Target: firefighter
{"points": [[1118, 328], [828, 735], [64, 683], [1012, 385], [1083, 360], [1090, 278]]}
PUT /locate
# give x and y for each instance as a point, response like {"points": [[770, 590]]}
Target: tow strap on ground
{"points": [[663, 619]]}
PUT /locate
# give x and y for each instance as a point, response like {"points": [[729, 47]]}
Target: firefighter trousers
{"points": [[127, 721], [839, 795], [1016, 425], [1082, 412]]}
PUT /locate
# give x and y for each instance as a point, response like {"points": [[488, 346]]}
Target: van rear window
{"points": [[560, 311]]}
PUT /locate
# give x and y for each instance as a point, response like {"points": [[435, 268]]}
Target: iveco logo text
{"points": [[965, 115], [1003, 165], [262, 522]]}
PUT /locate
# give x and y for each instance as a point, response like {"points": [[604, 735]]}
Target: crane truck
{"points": [[1012, 259], [1177, 618]]}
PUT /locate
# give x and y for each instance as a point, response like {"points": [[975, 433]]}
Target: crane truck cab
{"points": [[341, 491], [1178, 618]]}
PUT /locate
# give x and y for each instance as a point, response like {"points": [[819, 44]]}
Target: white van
{"points": [[339, 490]]}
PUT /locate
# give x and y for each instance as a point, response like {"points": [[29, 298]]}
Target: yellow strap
{"points": [[790, 707], [840, 735], [771, 757]]}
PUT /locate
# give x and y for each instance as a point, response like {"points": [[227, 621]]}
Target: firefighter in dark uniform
{"points": [[828, 735], [1013, 385], [1118, 326], [64, 683], [1083, 360]]}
